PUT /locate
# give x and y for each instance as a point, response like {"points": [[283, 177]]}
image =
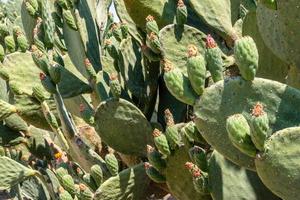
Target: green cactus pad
{"points": [[12, 172], [235, 95], [278, 166], [230, 181], [123, 126], [217, 14], [175, 40], [24, 75], [279, 32], [179, 179], [131, 184]]}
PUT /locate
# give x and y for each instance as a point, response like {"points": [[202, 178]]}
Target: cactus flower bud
{"points": [[153, 174], [155, 158], [115, 86]]}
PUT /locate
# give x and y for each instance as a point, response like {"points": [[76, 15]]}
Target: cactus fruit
{"points": [[214, 59], [55, 72], [115, 86], [112, 163], [246, 56], [178, 84], [6, 109], [239, 132], [69, 19], [161, 143], [153, 42], [171, 132], [10, 43], [97, 174], [181, 13], [64, 195], [260, 126], [151, 25], [153, 174], [68, 183], [155, 158], [196, 69], [2, 53]]}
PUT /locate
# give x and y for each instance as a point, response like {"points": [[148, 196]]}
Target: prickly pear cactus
{"points": [[219, 102]]}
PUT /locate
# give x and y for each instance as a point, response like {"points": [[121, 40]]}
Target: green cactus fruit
{"points": [[97, 174], [40, 59], [68, 183], [55, 72], [51, 119], [198, 156], [2, 53], [3, 74], [272, 4], [112, 164], [62, 3], [38, 93], [124, 29], [57, 19], [4, 31], [151, 25], [196, 69], [116, 32], [239, 132], [191, 132], [87, 114], [246, 56], [171, 132], [181, 13], [30, 9], [22, 42], [213, 56], [10, 43], [64, 195], [200, 181], [178, 84], [60, 172], [153, 42], [260, 126], [155, 158], [69, 19], [161, 143], [34, 4], [85, 193], [47, 83], [153, 174], [150, 54], [6, 109], [90, 70], [115, 86], [111, 49]]}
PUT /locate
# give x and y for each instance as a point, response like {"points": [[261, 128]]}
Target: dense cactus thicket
{"points": [[178, 99]]}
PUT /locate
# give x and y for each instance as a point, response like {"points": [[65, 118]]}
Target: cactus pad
{"points": [[123, 126], [279, 163]]}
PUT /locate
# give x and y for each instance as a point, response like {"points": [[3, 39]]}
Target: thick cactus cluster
{"points": [[178, 99]]}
